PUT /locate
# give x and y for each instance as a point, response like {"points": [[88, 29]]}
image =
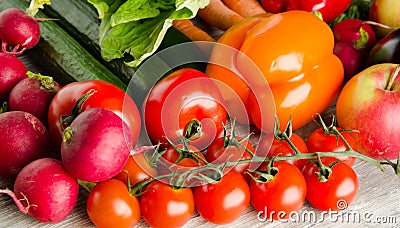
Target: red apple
{"points": [[370, 104]]}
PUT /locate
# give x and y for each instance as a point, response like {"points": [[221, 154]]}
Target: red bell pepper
{"points": [[329, 9]]}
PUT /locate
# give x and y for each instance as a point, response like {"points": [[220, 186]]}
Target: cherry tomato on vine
{"points": [[165, 206], [282, 148], [171, 156], [105, 95], [337, 192], [136, 169], [110, 204], [224, 201], [186, 103], [281, 195], [321, 141], [236, 150]]}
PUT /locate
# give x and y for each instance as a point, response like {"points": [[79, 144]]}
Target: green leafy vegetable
{"points": [[134, 29], [358, 9]]}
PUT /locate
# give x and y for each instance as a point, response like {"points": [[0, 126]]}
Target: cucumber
{"points": [[80, 19], [62, 56]]}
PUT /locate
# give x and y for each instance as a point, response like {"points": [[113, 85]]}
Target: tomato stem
{"points": [[193, 129], [66, 120], [211, 173]]}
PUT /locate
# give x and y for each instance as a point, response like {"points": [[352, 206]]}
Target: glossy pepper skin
{"points": [[330, 9], [294, 51]]}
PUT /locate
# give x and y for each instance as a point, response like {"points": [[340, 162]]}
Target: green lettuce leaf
{"points": [[134, 29]]}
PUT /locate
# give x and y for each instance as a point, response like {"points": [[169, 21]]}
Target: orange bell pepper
{"points": [[294, 52]]}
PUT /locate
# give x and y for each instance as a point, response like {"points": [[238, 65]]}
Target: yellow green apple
{"points": [[386, 12]]}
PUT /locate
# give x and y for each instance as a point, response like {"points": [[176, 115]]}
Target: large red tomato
{"points": [[104, 95], [185, 103]]}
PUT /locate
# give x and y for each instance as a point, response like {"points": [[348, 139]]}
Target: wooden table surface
{"points": [[376, 205]]}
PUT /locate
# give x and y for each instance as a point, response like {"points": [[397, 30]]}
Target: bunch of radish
{"points": [[95, 147]]}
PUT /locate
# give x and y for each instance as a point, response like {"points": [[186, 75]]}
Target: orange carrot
{"points": [[246, 8], [193, 32], [218, 15]]}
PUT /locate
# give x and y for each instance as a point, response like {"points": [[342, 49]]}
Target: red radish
{"points": [[353, 59], [12, 70], [356, 32], [45, 190], [96, 145], [33, 95], [23, 139], [18, 30]]}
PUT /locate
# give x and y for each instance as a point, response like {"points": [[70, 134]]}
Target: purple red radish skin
{"points": [[18, 31], [12, 70], [34, 96], [45, 190], [23, 139], [353, 60], [96, 145], [355, 31]]}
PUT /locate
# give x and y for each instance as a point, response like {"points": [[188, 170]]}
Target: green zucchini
{"points": [[61, 55]]}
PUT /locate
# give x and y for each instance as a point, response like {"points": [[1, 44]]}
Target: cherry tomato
{"points": [[109, 204], [184, 100], [218, 153], [164, 206], [106, 95], [224, 201], [171, 157], [283, 194], [337, 192], [282, 148], [319, 141], [136, 169]]}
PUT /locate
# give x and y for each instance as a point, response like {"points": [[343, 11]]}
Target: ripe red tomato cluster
{"points": [[276, 189]]}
